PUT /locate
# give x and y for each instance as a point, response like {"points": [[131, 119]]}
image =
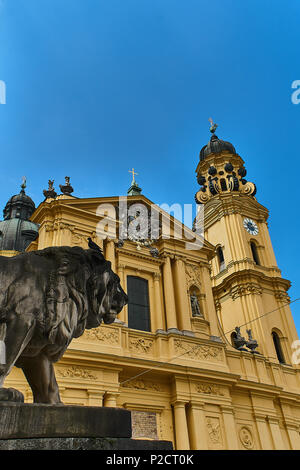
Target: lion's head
{"points": [[82, 281], [106, 296]]}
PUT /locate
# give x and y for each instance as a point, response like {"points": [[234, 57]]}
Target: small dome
{"points": [[20, 206], [16, 234], [16, 230], [215, 145]]}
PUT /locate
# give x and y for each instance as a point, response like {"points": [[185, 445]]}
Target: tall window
{"points": [[221, 258], [138, 303], [278, 349], [255, 253]]}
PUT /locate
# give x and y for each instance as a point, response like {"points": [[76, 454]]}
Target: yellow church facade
{"points": [[179, 367]]}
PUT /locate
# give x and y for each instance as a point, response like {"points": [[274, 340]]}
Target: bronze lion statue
{"points": [[47, 298]]}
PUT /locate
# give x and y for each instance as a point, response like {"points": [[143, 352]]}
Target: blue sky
{"points": [[97, 87]]}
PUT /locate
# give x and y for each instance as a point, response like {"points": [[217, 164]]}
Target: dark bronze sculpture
{"points": [[251, 344], [47, 298], [238, 340]]}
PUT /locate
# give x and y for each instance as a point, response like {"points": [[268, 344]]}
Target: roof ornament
{"points": [[23, 185], [134, 189], [50, 191], [66, 188], [213, 126], [133, 173]]}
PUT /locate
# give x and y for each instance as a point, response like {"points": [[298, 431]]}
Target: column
{"points": [[181, 429], [293, 433], [181, 296], [95, 398], [169, 294], [197, 428], [110, 400], [123, 314], [159, 320], [230, 427], [275, 432], [110, 253], [263, 432]]}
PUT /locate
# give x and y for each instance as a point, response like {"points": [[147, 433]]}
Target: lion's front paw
{"points": [[11, 394]]}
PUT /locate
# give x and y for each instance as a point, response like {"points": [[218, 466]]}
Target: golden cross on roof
{"points": [[133, 173]]}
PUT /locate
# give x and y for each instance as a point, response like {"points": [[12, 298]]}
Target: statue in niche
{"points": [[196, 312]]}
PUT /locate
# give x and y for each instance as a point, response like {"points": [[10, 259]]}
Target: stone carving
{"points": [[209, 389], [47, 298], [141, 385], [66, 188], [246, 438], [100, 334], [76, 372], [248, 188], [214, 430], [141, 344], [283, 296], [193, 275], [50, 191], [198, 351], [245, 289], [140, 226]]}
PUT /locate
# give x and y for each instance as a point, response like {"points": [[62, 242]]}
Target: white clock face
{"points": [[251, 226]]}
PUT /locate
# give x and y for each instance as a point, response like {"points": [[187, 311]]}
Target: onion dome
{"points": [[215, 145], [16, 230]]}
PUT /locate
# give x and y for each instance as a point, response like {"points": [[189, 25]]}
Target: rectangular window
{"points": [[138, 303]]}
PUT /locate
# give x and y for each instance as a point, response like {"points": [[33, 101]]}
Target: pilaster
{"points": [[169, 294], [181, 429]]}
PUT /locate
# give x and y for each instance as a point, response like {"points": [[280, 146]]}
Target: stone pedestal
{"points": [[62, 427]]}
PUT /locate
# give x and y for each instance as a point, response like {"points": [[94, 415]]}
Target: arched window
{"points": [[223, 184], [255, 253], [138, 303], [278, 349], [221, 258]]}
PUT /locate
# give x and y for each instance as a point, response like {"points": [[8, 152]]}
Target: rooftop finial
{"points": [[134, 189], [213, 126], [133, 173], [50, 191], [66, 188], [23, 185]]}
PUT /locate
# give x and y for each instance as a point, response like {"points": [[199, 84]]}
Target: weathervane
{"points": [[23, 185], [213, 126], [133, 173]]}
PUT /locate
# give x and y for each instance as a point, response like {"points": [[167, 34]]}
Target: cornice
{"points": [[226, 204], [251, 280]]}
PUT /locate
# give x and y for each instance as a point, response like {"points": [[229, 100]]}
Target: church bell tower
{"points": [[248, 289]]}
